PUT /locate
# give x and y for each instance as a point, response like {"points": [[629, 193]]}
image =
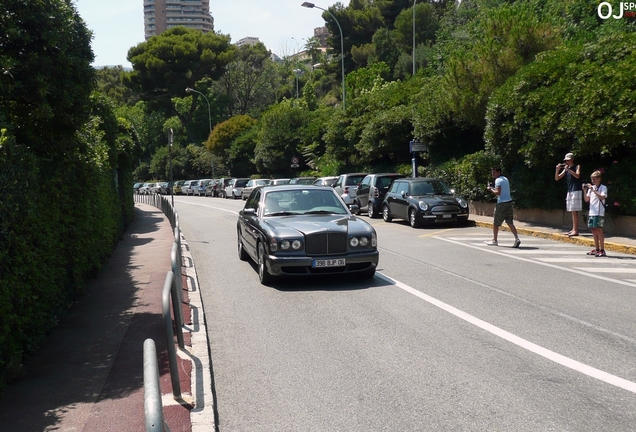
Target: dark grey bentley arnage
{"points": [[304, 230]]}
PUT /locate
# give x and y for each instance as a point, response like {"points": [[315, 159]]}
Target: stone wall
{"points": [[624, 226]]}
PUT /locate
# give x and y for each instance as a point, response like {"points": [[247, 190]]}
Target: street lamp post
{"points": [[170, 139], [311, 5], [414, 1], [296, 72], [191, 90]]}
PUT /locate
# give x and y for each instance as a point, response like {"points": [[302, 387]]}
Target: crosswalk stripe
{"points": [[521, 251], [588, 260], [606, 270]]}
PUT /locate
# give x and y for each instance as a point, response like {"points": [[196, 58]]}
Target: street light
{"points": [[190, 90], [414, 1], [297, 72], [310, 6], [170, 139]]}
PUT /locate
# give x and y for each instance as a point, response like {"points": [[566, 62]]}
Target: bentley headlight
{"points": [[297, 244], [364, 242], [354, 241], [462, 202], [423, 205], [285, 244]]}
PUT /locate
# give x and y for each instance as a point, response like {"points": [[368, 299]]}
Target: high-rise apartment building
{"points": [[161, 15]]}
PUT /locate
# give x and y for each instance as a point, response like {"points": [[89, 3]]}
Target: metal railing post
{"points": [[167, 320], [153, 407], [177, 295]]}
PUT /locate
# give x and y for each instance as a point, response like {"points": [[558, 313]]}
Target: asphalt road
{"points": [[451, 334]]}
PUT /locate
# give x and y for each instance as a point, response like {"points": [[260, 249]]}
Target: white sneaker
{"points": [[492, 243], [517, 243]]}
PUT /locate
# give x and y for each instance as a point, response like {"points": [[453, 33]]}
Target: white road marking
{"points": [[208, 206], [527, 244], [520, 342], [522, 251], [589, 260], [509, 239], [507, 252], [606, 270]]}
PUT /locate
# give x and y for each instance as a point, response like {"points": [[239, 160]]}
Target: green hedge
{"points": [[59, 221]]}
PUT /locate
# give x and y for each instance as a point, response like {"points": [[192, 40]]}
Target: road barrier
{"points": [[172, 289], [152, 390]]}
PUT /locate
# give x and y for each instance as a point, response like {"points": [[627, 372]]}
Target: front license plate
{"points": [[447, 216], [338, 262]]}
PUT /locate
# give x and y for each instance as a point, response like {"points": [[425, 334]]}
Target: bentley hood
{"points": [[311, 224]]}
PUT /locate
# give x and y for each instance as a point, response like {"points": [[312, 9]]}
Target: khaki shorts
{"points": [[574, 201], [503, 212]]}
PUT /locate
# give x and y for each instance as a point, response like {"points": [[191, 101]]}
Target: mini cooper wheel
{"points": [[263, 275], [386, 214], [413, 218]]}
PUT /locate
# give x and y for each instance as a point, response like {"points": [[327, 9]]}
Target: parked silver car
{"points": [[346, 186], [235, 189], [326, 181], [247, 190], [187, 188]]}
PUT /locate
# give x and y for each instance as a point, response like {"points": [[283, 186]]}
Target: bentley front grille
{"points": [[326, 244]]}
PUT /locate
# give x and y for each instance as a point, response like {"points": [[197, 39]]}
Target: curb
{"points": [[202, 416], [610, 246]]}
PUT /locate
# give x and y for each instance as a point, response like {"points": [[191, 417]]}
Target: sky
{"points": [[282, 25]]}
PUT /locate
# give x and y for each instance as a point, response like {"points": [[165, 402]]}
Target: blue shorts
{"points": [[595, 221]]}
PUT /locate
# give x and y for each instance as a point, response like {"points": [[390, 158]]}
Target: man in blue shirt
{"points": [[503, 208]]}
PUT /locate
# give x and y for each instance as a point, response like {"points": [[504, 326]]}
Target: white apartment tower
{"points": [[161, 15]]}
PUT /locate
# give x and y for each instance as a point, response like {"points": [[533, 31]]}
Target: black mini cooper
{"points": [[423, 201]]}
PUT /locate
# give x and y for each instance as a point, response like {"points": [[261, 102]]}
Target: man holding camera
{"points": [[503, 208], [574, 197]]}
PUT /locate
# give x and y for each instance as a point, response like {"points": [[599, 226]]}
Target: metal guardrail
{"points": [[172, 287], [169, 291], [152, 390]]}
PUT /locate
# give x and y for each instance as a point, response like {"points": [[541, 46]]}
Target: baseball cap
{"points": [[568, 156]]}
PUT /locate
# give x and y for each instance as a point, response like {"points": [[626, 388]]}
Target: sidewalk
{"points": [[88, 375]]}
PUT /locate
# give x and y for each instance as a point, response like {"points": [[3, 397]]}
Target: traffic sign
{"points": [[417, 146], [295, 160]]}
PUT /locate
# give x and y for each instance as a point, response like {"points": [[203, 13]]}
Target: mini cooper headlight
{"points": [[423, 205], [354, 241], [462, 202]]}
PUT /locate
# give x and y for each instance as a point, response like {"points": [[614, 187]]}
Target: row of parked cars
{"points": [[420, 201], [150, 188]]}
